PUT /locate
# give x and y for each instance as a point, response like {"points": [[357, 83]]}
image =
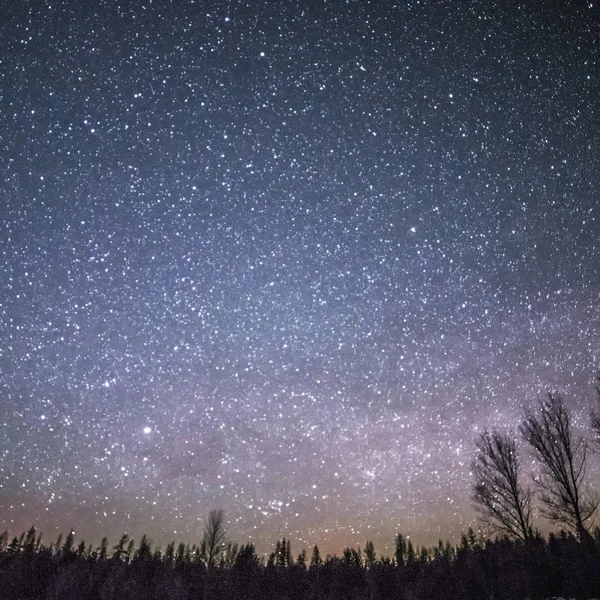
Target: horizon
{"points": [[263, 553]]}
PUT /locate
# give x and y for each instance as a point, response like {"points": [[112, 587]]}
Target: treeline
{"points": [[502, 569]]}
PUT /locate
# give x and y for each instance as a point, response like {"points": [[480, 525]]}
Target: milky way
{"points": [[287, 259]]}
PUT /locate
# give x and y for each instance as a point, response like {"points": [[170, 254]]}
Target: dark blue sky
{"points": [[287, 258]]}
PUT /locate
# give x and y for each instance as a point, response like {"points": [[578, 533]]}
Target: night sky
{"points": [[287, 259]]}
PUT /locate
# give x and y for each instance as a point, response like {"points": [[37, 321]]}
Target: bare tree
{"points": [[215, 536], [504, 505], [595, 412], [562, 457]]}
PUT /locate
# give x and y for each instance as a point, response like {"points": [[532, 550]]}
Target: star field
{"points": [[287, 258]]}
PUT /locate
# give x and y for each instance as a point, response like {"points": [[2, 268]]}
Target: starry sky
{"points": [[287, 258]]}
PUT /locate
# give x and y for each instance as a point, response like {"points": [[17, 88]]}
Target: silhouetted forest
{"points": [[502, 569], [517, 563]]}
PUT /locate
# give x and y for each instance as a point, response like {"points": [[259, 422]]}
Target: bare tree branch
{"points": [[595, 412], [215, 535], [504, 505], [563, 465]]}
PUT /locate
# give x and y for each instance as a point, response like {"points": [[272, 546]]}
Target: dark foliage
{"points": [[503, 569]]}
